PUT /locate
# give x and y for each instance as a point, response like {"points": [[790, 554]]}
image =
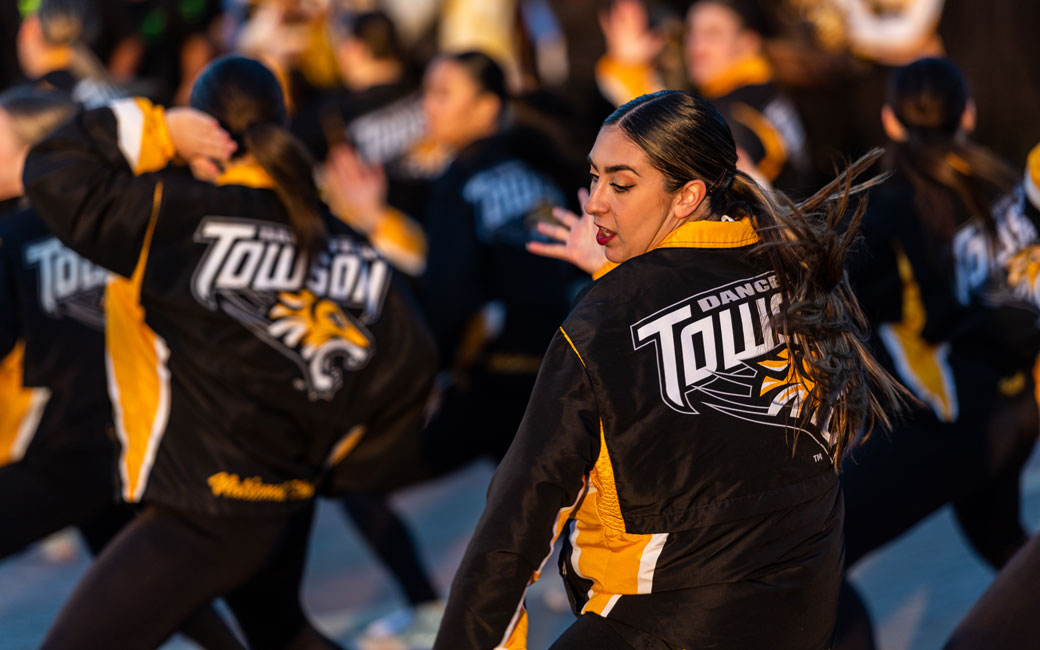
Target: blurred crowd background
{"points": [[802, 83], [831, 57]]}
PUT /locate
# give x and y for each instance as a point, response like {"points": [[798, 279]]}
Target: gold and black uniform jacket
{"points": [[953, 315], [764, 122], [52, 346], [234, 364], [659, 443]]}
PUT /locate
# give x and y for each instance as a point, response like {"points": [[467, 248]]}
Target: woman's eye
{"points": [[593, 178], [620, 189]]}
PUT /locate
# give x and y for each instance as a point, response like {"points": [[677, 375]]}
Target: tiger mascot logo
{"points": [[320, 332], [314, 312], [1023, 274]]}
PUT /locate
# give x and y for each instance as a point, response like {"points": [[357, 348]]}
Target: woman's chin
{"points": [[614, 254]]}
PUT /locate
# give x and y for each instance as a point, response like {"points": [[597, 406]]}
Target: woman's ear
{"points": [[893, 127], [688, 199], [968, 117], [487, 111]]}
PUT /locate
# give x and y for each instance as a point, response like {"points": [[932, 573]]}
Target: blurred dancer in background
{"points": [[58, 464], [240, 350], [725, 62], [953, 323]]}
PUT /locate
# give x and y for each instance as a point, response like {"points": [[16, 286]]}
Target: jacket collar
{"points": [[250, 175], [701, 234], [711, 234], [750, 71]]}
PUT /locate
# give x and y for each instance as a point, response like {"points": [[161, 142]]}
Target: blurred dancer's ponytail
{"points": [[247, 100], [928, 98], [685, 138], [35, 113]]}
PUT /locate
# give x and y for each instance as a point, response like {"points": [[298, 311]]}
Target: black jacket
{"points": [[482, 212], [236, 363], [660, 443], [949, 315], [52, 375], [764, 122]]}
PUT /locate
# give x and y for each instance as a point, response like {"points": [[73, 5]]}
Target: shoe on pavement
{"points": [[404, 629]]}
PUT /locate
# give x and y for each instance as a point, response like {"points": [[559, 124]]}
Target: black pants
{"points": [[895, 480], [167, 564], [1005, 617], [477, 422], [389, 538], [45, 493]]}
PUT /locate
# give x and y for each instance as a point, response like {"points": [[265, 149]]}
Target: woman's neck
{"points": [[51, 59]]}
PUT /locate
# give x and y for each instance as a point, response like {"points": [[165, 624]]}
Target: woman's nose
{"points": [[595, 203]]}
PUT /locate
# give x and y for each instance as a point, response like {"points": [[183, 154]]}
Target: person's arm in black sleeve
{"points": [[536, 489], [450, 287], [82, 180], [874, 269], [9, 312], [943, 313]]}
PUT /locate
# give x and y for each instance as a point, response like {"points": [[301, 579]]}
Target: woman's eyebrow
{"points": [[611, 169]]}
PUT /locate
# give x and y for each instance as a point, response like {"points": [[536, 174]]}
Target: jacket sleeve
{"points": [[89, 180], [943, 313], [9, 310], [537, 487]]}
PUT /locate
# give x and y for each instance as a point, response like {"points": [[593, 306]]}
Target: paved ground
{"points": [[917, 588]]}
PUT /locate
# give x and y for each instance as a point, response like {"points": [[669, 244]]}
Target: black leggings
{"points": [[42, 495], [895, 480], [167, 564], [389, 538], [478, 422], [1004, 618]]}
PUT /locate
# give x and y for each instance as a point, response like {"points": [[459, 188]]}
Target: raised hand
{"points": [[356, 189], [627, 33], [577, 237], [197, 135]]}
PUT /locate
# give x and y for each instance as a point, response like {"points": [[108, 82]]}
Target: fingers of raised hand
{"points": [[557, 251], [565, 216], [195, 133], [559, 233]]}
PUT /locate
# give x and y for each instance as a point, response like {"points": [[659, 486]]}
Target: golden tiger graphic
{"points": [[1023, 274], [795, 386], [320, 331]]}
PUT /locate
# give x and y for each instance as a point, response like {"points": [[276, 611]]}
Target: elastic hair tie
{"points": [[722, 183]]}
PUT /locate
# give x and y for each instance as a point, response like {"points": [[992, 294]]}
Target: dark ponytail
{"points": [[290, 165], [484, 72], [685, 138], [928, 98], [74, 24], [806, 244], [246, 98]]}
